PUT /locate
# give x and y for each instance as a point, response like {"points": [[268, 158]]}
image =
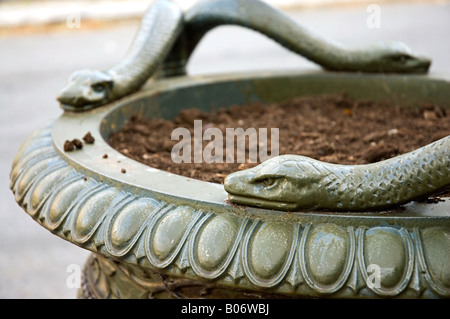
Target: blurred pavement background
{"points": [[37, 58]]}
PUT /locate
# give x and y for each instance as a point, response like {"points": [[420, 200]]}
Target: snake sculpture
{"points": [[291, 182], [165, 41], [168, 36]]}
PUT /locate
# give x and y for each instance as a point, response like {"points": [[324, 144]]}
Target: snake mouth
{"points": [[423, 68], [73, 108], [262, 202]]}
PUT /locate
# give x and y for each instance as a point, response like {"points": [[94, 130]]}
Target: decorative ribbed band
{"points": [[225, 249]]}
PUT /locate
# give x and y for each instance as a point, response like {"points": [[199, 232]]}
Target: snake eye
{"points": [[98, 88], [269, 182], [402, 58]]}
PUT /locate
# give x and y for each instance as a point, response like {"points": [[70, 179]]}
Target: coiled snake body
{"points": [[168, 36], [291, 182]]}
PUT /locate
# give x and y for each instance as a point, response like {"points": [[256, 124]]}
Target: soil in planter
{"points": [[331, 128]]}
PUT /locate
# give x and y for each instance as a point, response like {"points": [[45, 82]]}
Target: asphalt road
{"points": [[33, 262]]}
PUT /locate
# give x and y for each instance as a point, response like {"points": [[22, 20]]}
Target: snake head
{"points": [[284, 182], [86, 89], [394, 57]]}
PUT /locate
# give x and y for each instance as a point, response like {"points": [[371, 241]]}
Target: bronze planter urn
{"points": [[154, 234]]}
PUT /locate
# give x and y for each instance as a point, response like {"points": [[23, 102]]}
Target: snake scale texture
{"points": [[168, 36], [291, 182], [165, 41]]}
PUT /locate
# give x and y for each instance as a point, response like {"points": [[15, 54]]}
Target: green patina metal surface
{"points": [[156, 234], [292, 182], [168, 36], [153, 222]]}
